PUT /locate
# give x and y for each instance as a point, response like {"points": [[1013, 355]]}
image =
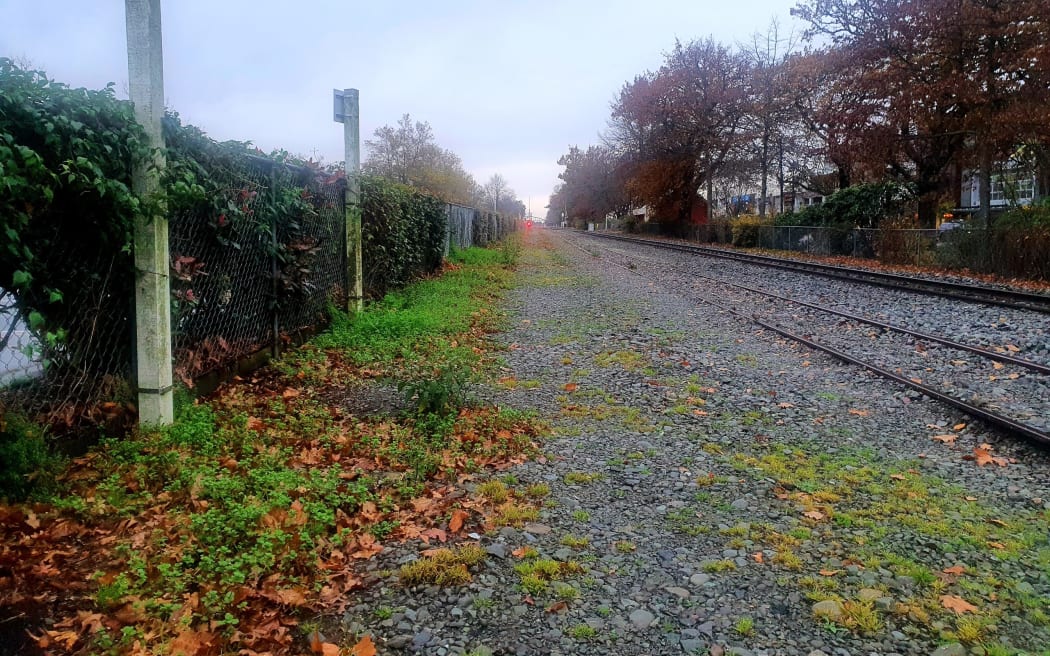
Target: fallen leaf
{"points": [[364, 647], [329, 649], [814, 514], [958, 427], [997, 545], [571, 387], [955, 570], [997, 522], [255, 424], [957, 604], [983, 455], [759, 558], [859, 413], [31, 520], [456, 523], [969, 498], [519, 552], [290, 393], [945, 439], [997, 365], [829, 572], [897, 477], [557, 607]]}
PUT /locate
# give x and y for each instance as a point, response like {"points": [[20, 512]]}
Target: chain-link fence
{"points": [[259, 274], [1007, 251], [76, 377], [254, 267]]}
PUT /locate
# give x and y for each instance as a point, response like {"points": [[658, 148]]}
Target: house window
{"points": [[1012, 188]]}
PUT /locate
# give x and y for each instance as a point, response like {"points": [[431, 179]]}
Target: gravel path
{"points": [[720, 490]]}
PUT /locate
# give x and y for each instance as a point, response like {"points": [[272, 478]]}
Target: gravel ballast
{"points": [[721, 490]]}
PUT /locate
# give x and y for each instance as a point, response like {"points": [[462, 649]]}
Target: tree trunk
{"points": [[765, 173], [928, 210]]}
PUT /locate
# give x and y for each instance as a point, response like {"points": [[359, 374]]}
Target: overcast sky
{"points": [[507, 86]]}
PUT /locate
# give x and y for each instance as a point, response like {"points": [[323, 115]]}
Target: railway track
{"points": [[1010, 298], [1025, 419]]}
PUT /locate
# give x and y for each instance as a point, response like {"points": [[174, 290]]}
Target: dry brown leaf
{"points": [[859, 413], [957, 604], [997, 522], [290, 393], [947, 438], [897, 477], [997, 365], [759, 558], [571, 387], [519, 552], [814, 514], [829, 572], [32, 520], [456, 523], [954, 570], [329, 649], [983, 455], [958, 427], [557, 606], [997, 545], [364, 647]]}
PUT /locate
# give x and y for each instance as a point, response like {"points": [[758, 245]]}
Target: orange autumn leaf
{"points": [[945, 439], [519, 552], [958, 427], [456, 523], [329, 649], [814, 514], [997, 545], [364, 647], [957, 604], [759, 558], [557, 606], [571, 387], [983, 455], [859, 413], [954, 570], [829, 572]]}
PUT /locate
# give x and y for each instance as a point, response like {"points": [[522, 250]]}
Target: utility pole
{"points": [[152, 286], [347, 110]]}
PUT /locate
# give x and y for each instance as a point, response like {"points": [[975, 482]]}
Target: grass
{"points": [[537, 574], [863, 498], [580, 478], [262, 482], [719, 566], [583, 632], [745, 626], [575, 541], [494, 491], [538, 491], [581, 516], [444, 567], [513, 514], [625, 546]]}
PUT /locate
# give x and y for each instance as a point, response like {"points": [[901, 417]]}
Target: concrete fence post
{"points": [[152, 286], [348, 112]]}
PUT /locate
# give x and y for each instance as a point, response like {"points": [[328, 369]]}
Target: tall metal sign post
{"points": [[347, 110], [152, 286]]}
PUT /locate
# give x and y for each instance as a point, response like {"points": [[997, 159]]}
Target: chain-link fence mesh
{"points": [[256, 261], [260, 273], [76, 377]]}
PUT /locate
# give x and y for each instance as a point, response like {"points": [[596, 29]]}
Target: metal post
{"points": [[347, 112], [152, 286]]}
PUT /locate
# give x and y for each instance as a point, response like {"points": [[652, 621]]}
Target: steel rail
{"points": [[972, 293], [993, 418]]}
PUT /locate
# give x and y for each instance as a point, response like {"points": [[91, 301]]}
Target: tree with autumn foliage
{"points": [[592, 186], [939, 84], [677, 127]]}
